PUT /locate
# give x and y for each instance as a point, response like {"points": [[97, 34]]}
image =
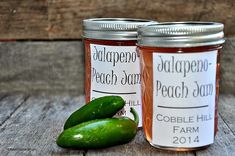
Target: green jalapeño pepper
{"points": [[100, 108], [100, 133]]}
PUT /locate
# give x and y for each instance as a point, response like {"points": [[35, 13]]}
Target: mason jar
{"points": [[111, 60], [180, 68]]}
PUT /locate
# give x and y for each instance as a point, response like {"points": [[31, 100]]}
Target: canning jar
{"points": [[111, 60], [180, 67]]}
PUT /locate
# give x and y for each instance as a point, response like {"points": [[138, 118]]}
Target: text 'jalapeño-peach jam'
{"points": [[180, 67], [111, 60]]}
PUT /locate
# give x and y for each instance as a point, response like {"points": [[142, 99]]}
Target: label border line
{"points": [[121, 93], [168, 107]]}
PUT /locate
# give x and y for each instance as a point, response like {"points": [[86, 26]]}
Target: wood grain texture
{"points": [[137, 147], [33, 67], [32, 130], [227, 67], [57, 67], [8, 105], [23, 19], [59, 19], [34, 127], [225, 139], [224, 144], [227, 111]]}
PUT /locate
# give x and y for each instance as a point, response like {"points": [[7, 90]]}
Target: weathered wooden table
{"points": [[29, 125]]}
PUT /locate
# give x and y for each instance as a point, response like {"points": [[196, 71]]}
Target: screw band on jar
{"points": [[181, 34], [113, 28], [180, 83], [112, 63]]}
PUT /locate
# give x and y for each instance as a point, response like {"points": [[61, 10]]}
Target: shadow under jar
{"points": [[111, 60], [180, 68]]}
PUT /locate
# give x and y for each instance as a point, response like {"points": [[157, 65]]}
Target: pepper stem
{"points": [[136, 116]]}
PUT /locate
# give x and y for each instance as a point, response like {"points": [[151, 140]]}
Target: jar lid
{"points": [[181, 34], [113, 28]]}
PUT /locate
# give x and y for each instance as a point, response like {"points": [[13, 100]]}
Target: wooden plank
{"points": [[49, 67], [8, 105], [138, 147], [227, 110], [23, 19], [59, 19], [65, 17], [57, 67], [224, 142], [227, 84], [225, 139], [2, 96], [34, 127]]}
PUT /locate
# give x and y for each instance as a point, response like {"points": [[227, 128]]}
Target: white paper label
{"points": [[184, 89], [115, 71]]}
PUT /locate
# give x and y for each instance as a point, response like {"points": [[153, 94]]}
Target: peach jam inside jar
{"points": [[180, 68], [111, 60]]}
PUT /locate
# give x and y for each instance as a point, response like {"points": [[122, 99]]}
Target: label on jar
{"points": [[184, 90], [115, 70]]}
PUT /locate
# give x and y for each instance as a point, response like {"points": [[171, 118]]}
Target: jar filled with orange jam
{"points": [[111, 60], [180, 68]]}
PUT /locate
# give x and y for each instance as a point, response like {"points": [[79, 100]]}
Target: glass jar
{"points": [[180, 68], [111, 60]]}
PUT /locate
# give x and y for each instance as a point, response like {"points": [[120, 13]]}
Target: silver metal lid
{"points": [[181, 34], [113, 28]]}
